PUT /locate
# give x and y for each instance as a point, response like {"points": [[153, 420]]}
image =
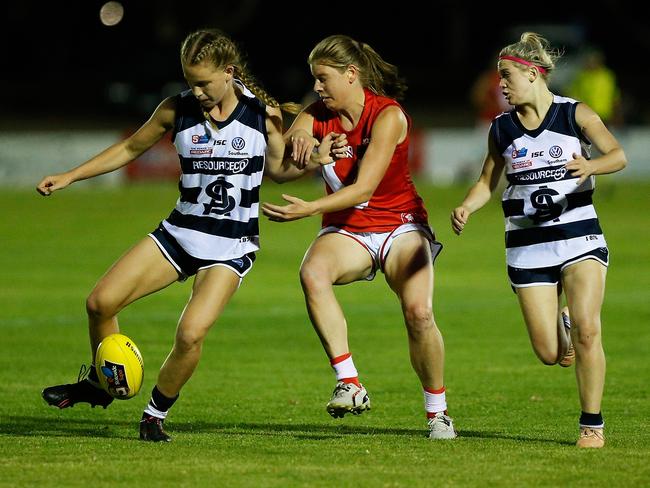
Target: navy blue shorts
{"points": [[551, 275], [187, 265]]}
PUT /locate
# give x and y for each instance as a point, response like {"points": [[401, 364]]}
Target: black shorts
{"points": [[551, 275], [187, 265]]}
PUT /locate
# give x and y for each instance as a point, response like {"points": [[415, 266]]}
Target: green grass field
{"points": [[253, 414]]}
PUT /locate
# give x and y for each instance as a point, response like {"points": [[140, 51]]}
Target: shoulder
{"points": [[585, 115], [186, 102], [575, 116], [384, 107], [272, 112], [166, 112], [273, 117], [393, 114]]}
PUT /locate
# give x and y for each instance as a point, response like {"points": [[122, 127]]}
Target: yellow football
{"points": [[119, 366]]}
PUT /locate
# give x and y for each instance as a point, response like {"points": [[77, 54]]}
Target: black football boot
{"points": [[151, 429], [83, 391]]}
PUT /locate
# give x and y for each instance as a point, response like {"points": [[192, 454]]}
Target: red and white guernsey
{"points": [[395, 201]]}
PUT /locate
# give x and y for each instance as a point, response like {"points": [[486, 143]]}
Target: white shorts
{"points": [[378, 243]]}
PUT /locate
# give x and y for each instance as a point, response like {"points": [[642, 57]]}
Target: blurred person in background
{"points": [[487, 97], [553, 238], [595, 85], [373, 219], [228, 133]]}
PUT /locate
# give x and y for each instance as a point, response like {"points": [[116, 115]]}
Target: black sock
{"points": [[92, 375], [591, 419], [161, 402]]}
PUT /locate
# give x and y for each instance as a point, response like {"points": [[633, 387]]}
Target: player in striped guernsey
{"points": [[553, 238], [373, 218], [228, 133]]}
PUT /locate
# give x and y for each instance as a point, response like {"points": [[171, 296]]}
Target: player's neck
{"points": [[222, 110], [533, 113], [351, 113]]}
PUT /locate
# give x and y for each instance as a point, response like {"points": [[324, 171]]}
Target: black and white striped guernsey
{"points": [[549, 218], [222, 164]]}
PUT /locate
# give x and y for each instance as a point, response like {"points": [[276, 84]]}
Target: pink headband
{"points": [[523, 61]]}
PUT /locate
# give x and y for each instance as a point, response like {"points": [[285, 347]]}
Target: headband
{"points": [[523, 61]]}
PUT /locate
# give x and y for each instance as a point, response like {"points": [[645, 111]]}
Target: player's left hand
{"points": [[580, 167], [339, 147], [297, 209]]}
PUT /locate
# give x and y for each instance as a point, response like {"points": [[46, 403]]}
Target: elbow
{"points": [[363, 195], [622, 161], [277, 177]]}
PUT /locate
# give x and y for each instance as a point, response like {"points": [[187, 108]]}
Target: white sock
{"points": [[435, 400], [344, 367], [154, 412]]}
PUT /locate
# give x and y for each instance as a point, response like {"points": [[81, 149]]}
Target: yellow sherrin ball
{"points": [[119, 366]]}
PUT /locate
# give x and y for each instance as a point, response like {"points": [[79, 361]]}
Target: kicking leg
{"points": [[141, 271]]}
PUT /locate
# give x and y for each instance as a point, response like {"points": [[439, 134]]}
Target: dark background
{"points": [[61, 66]]}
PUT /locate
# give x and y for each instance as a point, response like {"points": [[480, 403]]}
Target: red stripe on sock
{"points": [[340, 358], [435, 392], [354, 380], [430, 415]]}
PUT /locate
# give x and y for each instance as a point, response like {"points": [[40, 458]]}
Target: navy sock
{"points": [[160, 401], [591, 419], [92, 375]]}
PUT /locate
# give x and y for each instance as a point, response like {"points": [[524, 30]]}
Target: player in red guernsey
{"points": [[373, 218]]}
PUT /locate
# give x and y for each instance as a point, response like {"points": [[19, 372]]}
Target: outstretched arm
{"points": [[118, 154], [479, 194]]}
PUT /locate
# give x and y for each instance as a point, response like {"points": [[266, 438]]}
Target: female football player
{"points": [[553, 238], [212, 233], [373, 218]]}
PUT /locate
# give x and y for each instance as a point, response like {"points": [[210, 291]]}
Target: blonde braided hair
{"points": [[214, 46]]}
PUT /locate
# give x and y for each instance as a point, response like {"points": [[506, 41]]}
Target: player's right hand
{"points": [[52, 183], [302, 145], [459, 218]]}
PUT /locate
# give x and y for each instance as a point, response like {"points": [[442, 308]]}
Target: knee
{"points": [[588, 335], [189, 340], [548, 358], [419, 319], [100, 305], [313, 278], [546, 354]]}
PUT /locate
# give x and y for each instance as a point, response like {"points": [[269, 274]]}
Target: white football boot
{"points": [[348, 398], [441, 427]]}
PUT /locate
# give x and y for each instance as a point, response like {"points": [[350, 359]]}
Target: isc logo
{"points": [[537, 154], [220, 143]]}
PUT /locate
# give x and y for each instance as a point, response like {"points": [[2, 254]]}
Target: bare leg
{"points": [[584, 284], [141, 271], [409, 272], [539, 305], [212, 290], [331, 259]]}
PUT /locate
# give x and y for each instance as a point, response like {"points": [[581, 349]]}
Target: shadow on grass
{"points": [[42, 426]]}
